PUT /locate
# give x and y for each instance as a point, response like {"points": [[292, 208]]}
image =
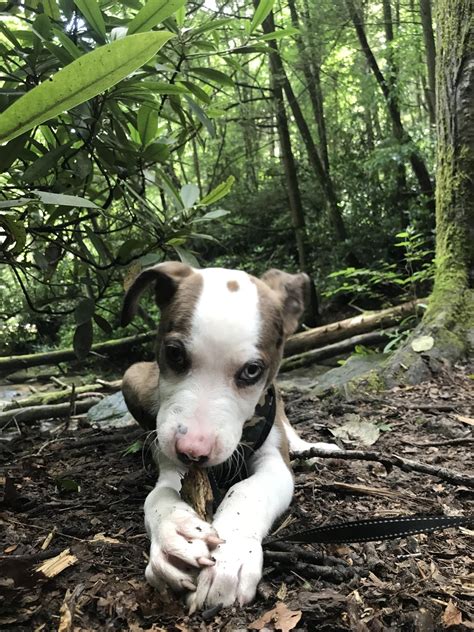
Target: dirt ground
{"points": [[83, 491]]}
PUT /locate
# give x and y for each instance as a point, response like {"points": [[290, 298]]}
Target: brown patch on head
{"points": [[232, 286], [177, 315]]}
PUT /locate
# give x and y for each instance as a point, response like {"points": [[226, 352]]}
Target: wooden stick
{"points": [[389, 461]]}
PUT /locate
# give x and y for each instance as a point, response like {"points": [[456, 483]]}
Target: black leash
{"points": [[374, 529]]}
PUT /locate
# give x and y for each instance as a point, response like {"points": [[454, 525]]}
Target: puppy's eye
{"points": [[250, 373], [176, 356]]}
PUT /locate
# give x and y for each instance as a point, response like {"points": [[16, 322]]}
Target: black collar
{"points": [[256, 430]]}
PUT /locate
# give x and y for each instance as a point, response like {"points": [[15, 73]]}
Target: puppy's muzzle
{"points": [[194, 448]]}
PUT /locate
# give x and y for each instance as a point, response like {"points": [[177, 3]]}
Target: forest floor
{"points": [[79, 490]]}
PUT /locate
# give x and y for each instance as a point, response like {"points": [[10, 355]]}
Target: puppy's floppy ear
{"points": [[293, 291], [165, 276]]}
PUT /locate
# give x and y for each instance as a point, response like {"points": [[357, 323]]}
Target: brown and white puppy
{"points": [[220, 343]]}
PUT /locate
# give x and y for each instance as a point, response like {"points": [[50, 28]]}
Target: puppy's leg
{"points": [[244, 517], [297, 444], [181, 543]]}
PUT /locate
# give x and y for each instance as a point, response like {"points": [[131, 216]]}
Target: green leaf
{"points": [[212, 25], [189, 194], [84, 311], [93, 15], [128, 248], [202, 117], [147, 124], [218, 213], [263, 9], [214, 75], [17, 233], [51, 9], [219, 192], [280, 34], [156, 152], [187, 257], [67, 485], [67, 43], [15, 203], [164, 88], [103, 324], [82, 341], [41, 167], [154, 12], [11, 151], [134, 447], [80, 81], [64, 200]]}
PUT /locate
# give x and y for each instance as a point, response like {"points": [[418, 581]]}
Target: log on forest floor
{"points": [[329, 351], [363, 323], [53, 411], [64, 395], [12, 363]]}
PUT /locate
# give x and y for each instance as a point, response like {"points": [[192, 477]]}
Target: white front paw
{"points": [[234, 577], [181, 544]]}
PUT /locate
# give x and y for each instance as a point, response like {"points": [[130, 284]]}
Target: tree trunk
{"points": [[418, 164], [400, 195], [448, 324], [294, 196], [427, 25], [312, 74], [323, 178]]}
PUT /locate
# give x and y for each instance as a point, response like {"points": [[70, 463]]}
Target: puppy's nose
{"points": [[193, 448]]}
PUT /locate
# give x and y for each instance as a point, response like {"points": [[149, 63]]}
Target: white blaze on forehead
{"points": [[226, 321]]}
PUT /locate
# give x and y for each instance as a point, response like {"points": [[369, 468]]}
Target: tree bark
{"points": [[430, 49], [449, 319], [349, 327], [418, 164]]}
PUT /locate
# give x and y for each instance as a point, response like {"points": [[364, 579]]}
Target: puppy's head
{"points": [[220, 342]]}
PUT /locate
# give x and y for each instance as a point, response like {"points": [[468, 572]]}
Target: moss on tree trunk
{"points": [[449, 318]]}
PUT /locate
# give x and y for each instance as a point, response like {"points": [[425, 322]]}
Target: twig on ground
{"points": [[389, 461]]}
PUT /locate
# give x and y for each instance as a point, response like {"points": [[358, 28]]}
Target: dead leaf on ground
{"points": [[422, 343], [104, 539], [357, 429], [281, 616], [452, 615]]}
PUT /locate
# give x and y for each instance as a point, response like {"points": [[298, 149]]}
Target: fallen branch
{"points": [[38, 413], [57, 397], [349, 327], [338, 348], [390, 461], [12, 363]]}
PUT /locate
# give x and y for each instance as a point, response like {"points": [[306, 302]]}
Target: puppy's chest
{"points": [[255, 432]]}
